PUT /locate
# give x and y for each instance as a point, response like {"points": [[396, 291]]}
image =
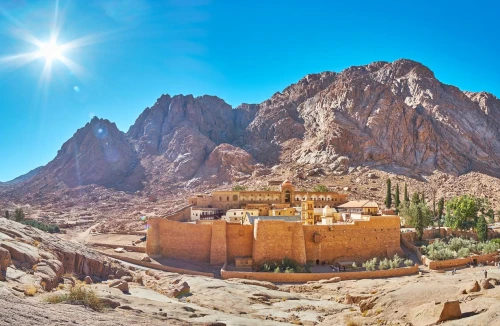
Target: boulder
{"points": [[109, 303], [4, 263], [50, 271], [122, 272], [179, 290], [451, 310], [127, 278], [88, 280], [367, 304], [485, 284], [120, 284], [474, 287]]}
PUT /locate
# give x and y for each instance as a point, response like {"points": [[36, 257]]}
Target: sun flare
{"points": [[50, 51]]}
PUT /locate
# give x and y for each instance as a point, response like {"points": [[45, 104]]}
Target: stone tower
{"points": [[307, 213]]}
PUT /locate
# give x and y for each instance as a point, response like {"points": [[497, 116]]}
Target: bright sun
{"points": [[50, 51]]}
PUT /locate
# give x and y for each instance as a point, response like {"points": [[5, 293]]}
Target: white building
{"points": [[205, 214]]}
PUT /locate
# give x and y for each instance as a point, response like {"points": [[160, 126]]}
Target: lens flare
{"points": [[50, 51]]}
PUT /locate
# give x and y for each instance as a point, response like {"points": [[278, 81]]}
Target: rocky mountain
{"points": [[395, 117]]}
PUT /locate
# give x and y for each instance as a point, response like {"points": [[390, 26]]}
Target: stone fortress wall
{"points": [[219, 242]]}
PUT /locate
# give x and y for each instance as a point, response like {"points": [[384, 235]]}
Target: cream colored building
{"points": [[358, 209], [287, 195]]}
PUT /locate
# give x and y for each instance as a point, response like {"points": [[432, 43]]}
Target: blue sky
{"points": [[131, 51]]}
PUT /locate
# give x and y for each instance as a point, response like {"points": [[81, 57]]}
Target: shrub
{"points": [[396, 261], [239, 188], [286, 265], [50, 228], [463, 252], [354, 266], [369, 265], [497, 241], [384, 264], [490, 247], [79, 294], [408, 262]]}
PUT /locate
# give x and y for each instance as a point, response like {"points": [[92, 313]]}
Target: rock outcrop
{"points": [[4, 263], [49, 256]]}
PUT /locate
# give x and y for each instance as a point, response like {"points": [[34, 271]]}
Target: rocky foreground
{"points": [[39, 266]]}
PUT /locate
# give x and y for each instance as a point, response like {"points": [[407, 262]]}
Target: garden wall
{"points": [[450, 263], [305, 277]]}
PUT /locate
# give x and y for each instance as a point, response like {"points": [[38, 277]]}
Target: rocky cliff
{"points": [[391, 116]]}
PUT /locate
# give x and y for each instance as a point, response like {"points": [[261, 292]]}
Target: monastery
{"points": [[258, 226]]}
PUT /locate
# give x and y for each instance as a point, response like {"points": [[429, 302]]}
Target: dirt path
{"points": [[80, 237]]}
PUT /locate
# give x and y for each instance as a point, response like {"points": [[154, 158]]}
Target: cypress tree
{"points": [[406, 198], [415, 199], [423, 198], [397, 201], [440, 210], [388, 197]]}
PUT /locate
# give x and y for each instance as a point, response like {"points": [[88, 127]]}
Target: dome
{"points": [[286, 183], [327, 207]]}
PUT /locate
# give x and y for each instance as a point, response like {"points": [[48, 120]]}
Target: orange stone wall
{"points": [[239, 241], [274, 240], [218, 247], [377, 237], [219, 242], [179, 240]]}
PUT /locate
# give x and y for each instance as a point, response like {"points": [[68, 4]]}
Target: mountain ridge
{"points": [[382, 113]]}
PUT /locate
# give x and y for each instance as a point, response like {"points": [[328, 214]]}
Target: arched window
{"points": [[288, 196]]}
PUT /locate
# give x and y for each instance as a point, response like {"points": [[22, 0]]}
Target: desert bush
{"points": [[490, 247], [459, 247], [463, 252], [384, 264], [286, 265], [370, 265], [408, 262], [79, 294], [395, 262], [354, 266]]}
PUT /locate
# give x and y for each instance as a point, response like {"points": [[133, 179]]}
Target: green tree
{"points": [[490, 214], [406, 197], [415, 199], [423, 198], [440, 211], [410, 213], [7, 215], [482, 229], [321, 188], [462, 212], [388, 196], [19, 215], [397, 201]]}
